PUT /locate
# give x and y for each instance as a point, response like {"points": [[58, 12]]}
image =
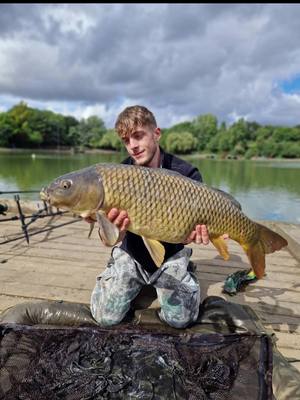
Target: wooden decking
{"points": [[63, 264]]}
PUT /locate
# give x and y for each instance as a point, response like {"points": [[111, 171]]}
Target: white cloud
{"points": [[71, 19], [179, 60]]}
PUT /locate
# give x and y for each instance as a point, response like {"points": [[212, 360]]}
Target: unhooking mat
{"points": [[223, 356]]}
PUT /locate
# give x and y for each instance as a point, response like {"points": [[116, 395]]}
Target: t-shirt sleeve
{"points": [[195, 174]]}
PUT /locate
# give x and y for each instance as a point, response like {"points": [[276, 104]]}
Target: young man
{"points": [[131, 266]]}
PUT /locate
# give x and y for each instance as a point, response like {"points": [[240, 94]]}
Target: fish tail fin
{"points": [[268, 242], [256, 255]]}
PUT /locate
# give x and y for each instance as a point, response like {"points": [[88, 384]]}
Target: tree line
{"points": [[26, 127]]}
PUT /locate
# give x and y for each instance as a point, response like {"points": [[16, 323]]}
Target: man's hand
{"points": [[119, 218], [200, 235]]}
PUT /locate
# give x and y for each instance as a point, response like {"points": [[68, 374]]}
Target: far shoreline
{"points": [[62, 150], [205, 156]]}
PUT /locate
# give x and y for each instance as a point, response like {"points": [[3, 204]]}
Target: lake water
{"points": [[267, 190]]}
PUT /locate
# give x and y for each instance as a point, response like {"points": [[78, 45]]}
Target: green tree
{"points": [[252, 150], [110, 140], [218, 141], [7, 127], [88, 132], [54, 133], [74, 136], [240, 135], [223, 142], [204, 128], [35, 138], [270, 148], [290, 149], [33, 127], [19, 115], [185, 126], [285, 134], [237, 133], [181, 143]]}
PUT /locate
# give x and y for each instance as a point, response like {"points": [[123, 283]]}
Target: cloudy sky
{"points": [[179, 60]]}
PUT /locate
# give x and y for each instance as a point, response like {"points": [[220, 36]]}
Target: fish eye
{"points": [[66, 184]]}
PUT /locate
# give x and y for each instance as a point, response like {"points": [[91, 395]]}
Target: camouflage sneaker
{"points": [[236, 281]]}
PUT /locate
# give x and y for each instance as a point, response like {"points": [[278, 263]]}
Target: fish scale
{"points": [[169, 206]]}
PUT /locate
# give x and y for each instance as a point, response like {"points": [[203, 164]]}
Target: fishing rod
{"points": [[38, 232], [19, 191], [16, 217], [33, 217]]}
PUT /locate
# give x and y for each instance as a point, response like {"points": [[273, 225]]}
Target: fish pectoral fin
{"points": [[221, 246], [156, 250], [91, 229], [108, 232]]}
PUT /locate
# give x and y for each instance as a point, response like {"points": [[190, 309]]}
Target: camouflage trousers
{"points": [[177, 288]]}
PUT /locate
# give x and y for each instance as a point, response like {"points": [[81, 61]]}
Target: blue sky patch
{"points": [[291, 85]]}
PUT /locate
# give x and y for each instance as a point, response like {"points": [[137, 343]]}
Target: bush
{"points": [[110, 141], [290, 150], [182, 143]]}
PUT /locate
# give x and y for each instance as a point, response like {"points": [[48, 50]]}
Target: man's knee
{"points": [[105, 318], [109, 307], [180, 308], [178, 320], [115, 288]]}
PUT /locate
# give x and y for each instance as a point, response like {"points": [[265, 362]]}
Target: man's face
{"points": [[142, 146]]}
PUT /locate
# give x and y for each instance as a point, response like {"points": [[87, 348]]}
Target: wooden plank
{"points": [[85, 280], [43, 265], [264, 305], [40, 291], [291, 354], [276, 280], [282, 326], [288, 340], [283, 314], [296, 365], [60, 254], [219, 275], [53, 246], [239, 261]]}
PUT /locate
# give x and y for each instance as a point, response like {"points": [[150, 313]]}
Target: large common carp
{"points": [[162, 206]]}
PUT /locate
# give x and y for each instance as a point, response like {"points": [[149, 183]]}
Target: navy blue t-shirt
{"points": [[134, 244]]}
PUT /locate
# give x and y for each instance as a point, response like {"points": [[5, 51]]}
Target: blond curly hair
{"points": [[132, 118]]}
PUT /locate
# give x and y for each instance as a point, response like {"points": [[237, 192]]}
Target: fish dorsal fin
{"points": [[221, 246], [228, 197], [108, 232], [156, 250]]}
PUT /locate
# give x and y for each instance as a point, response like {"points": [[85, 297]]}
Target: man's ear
{"points": [[157, 134]]}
